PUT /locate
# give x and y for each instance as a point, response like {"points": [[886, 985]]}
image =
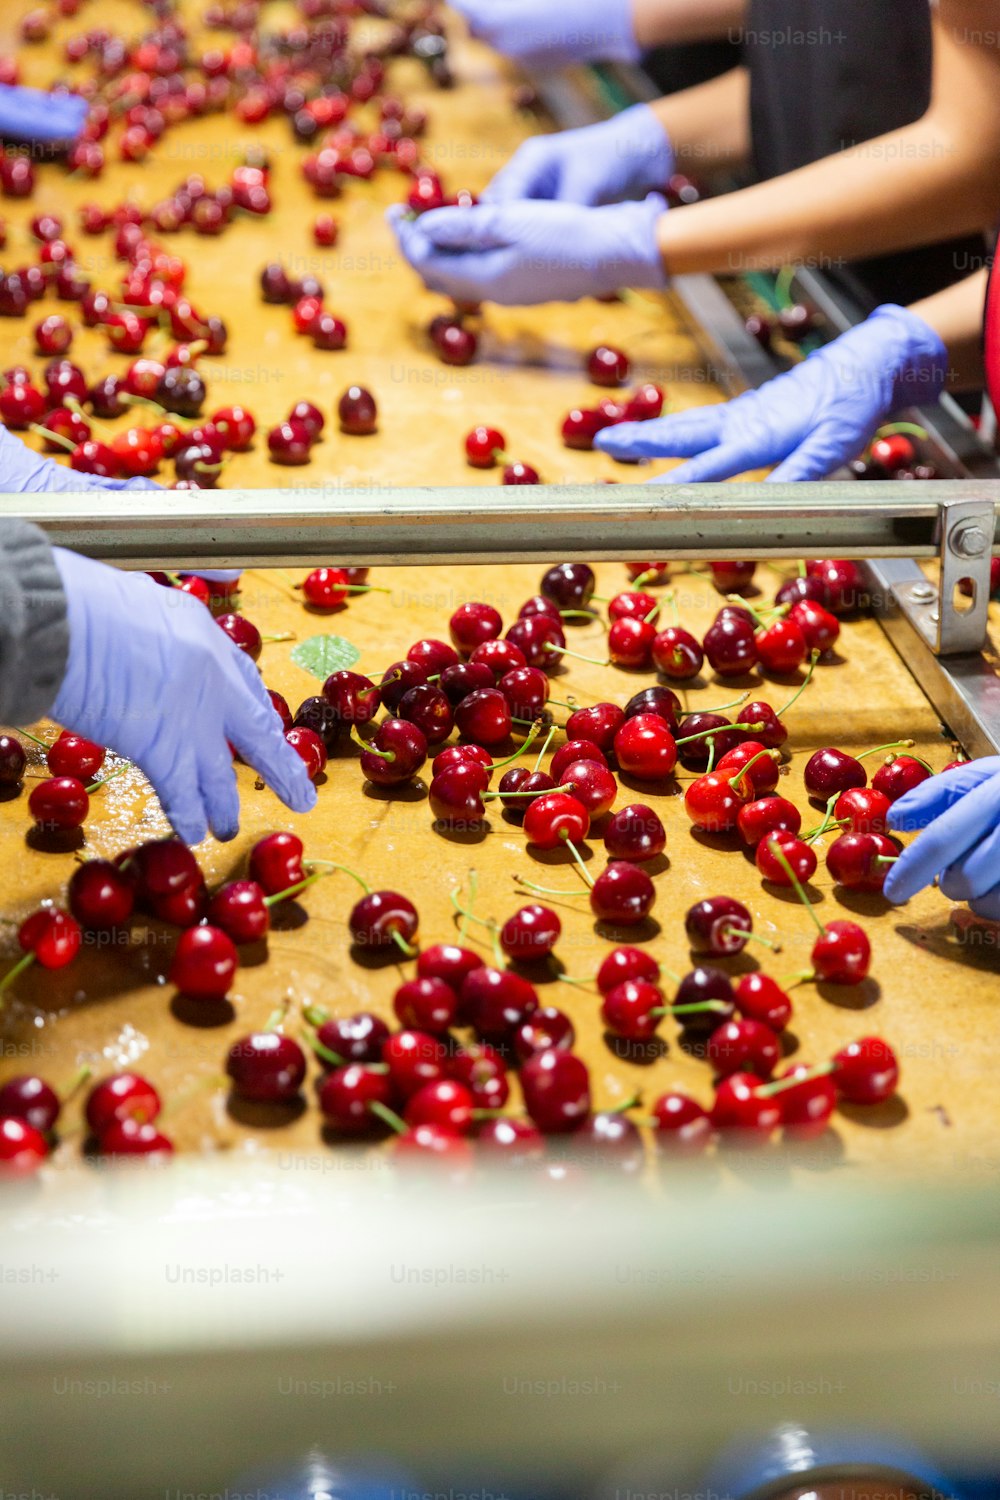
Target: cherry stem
{"points": [[294, 890], [103, 780], [696, 1008], [813, 659], [911, 429], [579, 859], [652, 614], [630, 1103], [358, 738], [544, 750], [895, 745], [577, 655], [782, 1085], [315, 1015], [546, 890], [326, 1053], [34, 739], [779, 855], [526, 744], [404, 947], [577, 614], [583, 984], [71, 1085], [19, 968], [648, 577], [286, 635], [329, 864], [742, 603], [567, 788], [794, 980], [52, 437], [704, 734], [761, 755], [276, 1018], [721, 708], [367, 588], [465, 912], [752, 937], [886, 859], [473, 891], [818, 832], [388, 1117]]}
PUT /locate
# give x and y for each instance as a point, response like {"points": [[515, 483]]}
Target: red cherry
{"points": [[864, 809], [236, 426], [426, 1004], [29, 1098], [353, 698], [266, 1067], [484, 717], [806, 1108], [819, 627], [552, 820], [801, 857], [630, 642], [844, 582], [623, 894], [497, 1002], [899, 776], [310, 748], [446, 1103], [482, 446], [204, 964], [767, 815], [345, 1097], [134, 1138], [719, 925], [240, 909], [842, 953], [598, 724], [741, 1112], [857, 860], [546, 1029], [305, 414], [645, 748], [59, 804], [378, 916], [456, 795], [694, 754], [428, 708], [627, 1010], [483, 1072], [531, 933], [831, 770], [782, 646], [635, 833], [101, 897], [472, 624], [358, 412], [510, 1143], [607, 367], [743, 1046], [580, 427], [761, 777], [500, 656], [289, 443], [575, 750], [433, 1145], [730, 645], [556, 1089], [122, 1096], [683, 1128], [592, 784], [276, 862], [624, 964], [677, 654], [713, 802], [414, 1059], [22, 1148], [760, 998], [72, 755], [519, 473], [867, 1071], [398, 751], [243, 634]]}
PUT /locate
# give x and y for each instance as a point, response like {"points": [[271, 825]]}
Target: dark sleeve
{"points": [[34, 630]]}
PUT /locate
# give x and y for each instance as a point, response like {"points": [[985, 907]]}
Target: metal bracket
{"points": [[965, 534]]}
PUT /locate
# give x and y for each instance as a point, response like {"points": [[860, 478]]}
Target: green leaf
{"points": [[323, 654]]}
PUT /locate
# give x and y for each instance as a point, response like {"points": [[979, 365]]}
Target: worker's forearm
{"points": [[674, 22], [956, 315], [709, 125]]}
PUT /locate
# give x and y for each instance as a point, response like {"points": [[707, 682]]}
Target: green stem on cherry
{"points": [[893, 745], [813, 659], [577, 614], [547, 890], [576, 655], [721, 708], [567, 788], [632, 1102], [78, 1079], [294, 890], [779, 855], [648, 577], [581, 866], [753, 937], [705, 734], [526, 744], [911, 429], [277, 1017], [696, 1008], [828, 820], [329, 864], [544, 750], [737, 780], [473, 891], [35, 739], [359, 739], [388, 1117], [103, 780], [407, 949], [327, 1054], [52, 437], [652, 613], [582, 984], [781, 1085], [23, 963], [285, 635]]}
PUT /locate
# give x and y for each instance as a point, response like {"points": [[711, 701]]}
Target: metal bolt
{"points": [[934, 617], [968, 540], [923, 592]]}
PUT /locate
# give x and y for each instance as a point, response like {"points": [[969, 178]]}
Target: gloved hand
{"points": [[960, 811], [550, 35], [521, 253], [30, 115], [808, 421], [623, 157], [153, 677], [24, 472]]}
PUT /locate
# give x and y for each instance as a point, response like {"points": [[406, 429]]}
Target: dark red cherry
{"points": [[635, 833], [12, 761], [574, 750], [426, 1004], [831, 770], [240, 909], [743, 1046], [266, 1067], [353, 698], [761, 998], [473, 623], [414, 1058], [659, 701], [497, 1002], [204, 963], [683, 1128], [509, 1142], [599, 724], [398, 751], [718, 924], [449, 962], [122, 1096], [556, 1089], [677, 654], [358, 412], [101, 896], [28, 1097], [607, 367], [622, 895], [526, 690], [483, 1072], [546, 1029], [867, 1071], [484, 717], [694, 744], [711, 992], [276, 862], [428, 708], [570, 585], [346, 1096], [608, 1140], [501, 657], [376, 917], [531, 933], [456, 795]]}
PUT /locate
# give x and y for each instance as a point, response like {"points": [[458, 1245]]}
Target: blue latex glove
{"points": [[24, 472], [624, 157], [152, 676], [30, 115], [521, 253], [550, 35], [808, 421], [960, 812]]}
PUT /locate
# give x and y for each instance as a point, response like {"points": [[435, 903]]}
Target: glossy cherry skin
{"points": [[645, 748], [556, 1089], [310, 749], [705, 987], [677, 654], [730, 647], [59, 804], [592, 784], [375, 918], [683, 1128], [635, 833], [610, 1139], [538, 638], [101, 897], [266, 1067], [833, 770], [428, 708], [755, 820], [52, 935], [598, 724], [346, 1094], [358, 412], [204, 964], [426, 1005], [842, 954], [433, 655], [627, 1010], [434, 1146], [446, 1103], [456, 795], [622, 894], [554, 818], [72, 755], [354, 699], [762, 775], [526, 690], [713, 802], [517, 781], [510, 1142], [798, 854], [803, 588], [501, 657], [134, 1138], [732, 577], [899, 776], [630, 605], [239, 908], [864, 809], [315, 714], [22, 1147], [463, 678], [276, 862], [358, 1038], [484, 717], [243, 633], [844, 583], [742, 1114], [630, 642], [853, 860], [457, 755], [497, 1002], [718, 924], [867, 1071], [761, 998], [12, 761], [414, 1058], [122, 1096], [569, 585], [606, 366], [518, 473], [819, 627], [404, 751], [743, 1046], [483, 1072], [531, 933], [31, 1099], [572, 751], [695, 754], [782, 646], [473, 623], [806, 1109], [482, 446], [397, 680], [624, 964], [546, 1029]]}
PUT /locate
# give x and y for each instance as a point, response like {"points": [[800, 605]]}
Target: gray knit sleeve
{"points": [[34, 631]]}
